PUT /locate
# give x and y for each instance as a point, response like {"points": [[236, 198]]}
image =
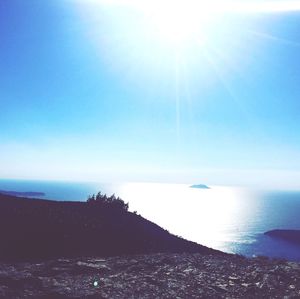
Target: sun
{"points": [[179, 23], [159, 38], [174, 22]]}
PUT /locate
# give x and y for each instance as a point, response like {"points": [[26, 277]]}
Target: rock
{"points": [[91, 266], [234, 278], [151, 276]]}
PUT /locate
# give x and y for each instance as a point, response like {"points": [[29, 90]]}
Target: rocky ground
{"points": [[152, 276]]}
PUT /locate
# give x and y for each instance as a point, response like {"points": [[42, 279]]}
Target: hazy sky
{"points": [[93, 90]]}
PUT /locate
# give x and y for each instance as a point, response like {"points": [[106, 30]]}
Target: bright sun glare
{"points": [[176, 22], [183, 41], [180, 22]]}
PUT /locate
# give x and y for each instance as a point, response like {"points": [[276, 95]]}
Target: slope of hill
{"points": [[35, 228]]}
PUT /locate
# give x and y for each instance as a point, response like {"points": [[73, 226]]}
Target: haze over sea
{"points": [[230, 219]]}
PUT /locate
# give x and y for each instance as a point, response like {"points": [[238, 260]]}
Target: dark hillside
{"points": [[289, 235], [35, 228]]}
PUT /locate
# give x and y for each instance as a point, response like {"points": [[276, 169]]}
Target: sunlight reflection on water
{"points": [[208, 216], [226, 218]]}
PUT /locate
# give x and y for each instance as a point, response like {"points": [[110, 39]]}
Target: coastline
{"points": [[238, 212]]}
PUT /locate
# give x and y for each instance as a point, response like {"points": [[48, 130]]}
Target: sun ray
{"points": [[187, 89], [177, 101], [245, 110], [274, 38], [221, 77]]}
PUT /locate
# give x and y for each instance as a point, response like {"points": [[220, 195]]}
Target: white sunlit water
{"points": [[225, 218], [195, 214]]}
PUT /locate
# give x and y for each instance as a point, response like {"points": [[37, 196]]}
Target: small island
{"points": [[289, 235], [199, 186], [25, 194]]}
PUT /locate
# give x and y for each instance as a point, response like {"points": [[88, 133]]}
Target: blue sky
{"points": [[92, 91]]}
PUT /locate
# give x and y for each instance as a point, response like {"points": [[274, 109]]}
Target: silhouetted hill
{"points": [[289, 235], [35, 228], [26, 194]]}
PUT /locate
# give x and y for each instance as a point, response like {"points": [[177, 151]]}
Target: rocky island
{"points": [[97, 249], [289, 235], [199, 186]]}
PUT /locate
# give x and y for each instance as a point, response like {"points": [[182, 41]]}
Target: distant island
{"points": [[199, 186], [26, 194], [289, 235]]}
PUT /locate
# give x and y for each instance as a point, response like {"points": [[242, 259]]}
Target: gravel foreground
{"points": [[152, 276]]}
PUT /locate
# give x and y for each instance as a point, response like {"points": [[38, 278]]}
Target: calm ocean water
{"points": [[225, 218]]}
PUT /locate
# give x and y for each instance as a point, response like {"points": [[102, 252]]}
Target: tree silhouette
{"points": [[108, 201]]}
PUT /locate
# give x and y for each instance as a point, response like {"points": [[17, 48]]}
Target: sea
{"points": [[231, 219]]}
